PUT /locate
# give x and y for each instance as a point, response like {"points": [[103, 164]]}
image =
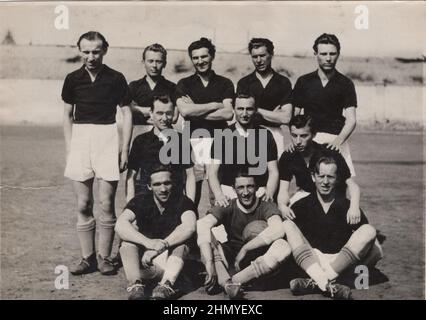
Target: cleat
{"points": [[163, 292], [302, 286], [338, 291], [86, 265], [136, 291], [233, 290], [106, 266]]}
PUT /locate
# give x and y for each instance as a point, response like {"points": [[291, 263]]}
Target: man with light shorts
{"points": [[91, 95], [204, 100], [324, 94], [158, 231], [271, 90], [142, 91], [323, 243]]}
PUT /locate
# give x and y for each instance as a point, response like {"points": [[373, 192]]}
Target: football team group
{"points": [[272, 202]]}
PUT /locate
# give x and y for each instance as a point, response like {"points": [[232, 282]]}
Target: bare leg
{"points": [[107, 190]]}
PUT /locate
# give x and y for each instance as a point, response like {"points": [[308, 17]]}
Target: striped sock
{"points": [[306, 260], [345, 258]]}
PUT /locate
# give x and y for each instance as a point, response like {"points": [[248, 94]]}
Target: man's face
{"points": [[245, 187], [301, 137], [161, 185], [326, 179], [244, 111], [92, 53], [327, 56], [154, 63], [261, 59], [162, 115], [202, 60]]}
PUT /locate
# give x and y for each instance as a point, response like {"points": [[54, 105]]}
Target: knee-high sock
{"points": [[106, 236], [345, 258], [86, 236], [305, 258], [131, 261], [221, 271]]}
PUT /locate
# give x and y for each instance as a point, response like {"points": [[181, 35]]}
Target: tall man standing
{"points": [[204, 100], [91, 95], [324, 94], [271, 90], [142, 91]]}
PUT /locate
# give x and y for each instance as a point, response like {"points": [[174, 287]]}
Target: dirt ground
{"points": [[38, 218]]}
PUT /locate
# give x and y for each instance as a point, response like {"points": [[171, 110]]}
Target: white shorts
{"points": [[201, 149], [94, 152], [278, 134], [323, 137], [325, 259]]}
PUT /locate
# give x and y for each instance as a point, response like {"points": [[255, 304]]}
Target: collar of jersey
{"points": [[248, 210]]}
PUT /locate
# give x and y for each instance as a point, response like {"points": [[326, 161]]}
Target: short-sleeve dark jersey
{"points": [[292, 164], [235, 218], [325, 104], [218, 89], [145, 155], [95, 102], [327, 232], [260, 145], [276, 93], [142, 95], [153, 224]]}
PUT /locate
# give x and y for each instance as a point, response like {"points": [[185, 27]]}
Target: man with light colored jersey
{"points": [[271, 90], [204, 100], [246, 258], [323, 244], [146, 152], [298, 164], [329, 98], [142, 91], [91, 95], [243, 144], [157, 230]]}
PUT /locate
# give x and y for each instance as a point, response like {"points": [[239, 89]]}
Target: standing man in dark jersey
{"points": [[91, 95], [325, 94], [142, 91], [204, 100], [271, 90]]}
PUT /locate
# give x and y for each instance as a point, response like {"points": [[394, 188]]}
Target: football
{"points": [[253, 229]]}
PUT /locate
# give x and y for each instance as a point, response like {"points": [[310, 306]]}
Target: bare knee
{"points": [[289, 226], [367, 232], [85, 206], [107, 204]]}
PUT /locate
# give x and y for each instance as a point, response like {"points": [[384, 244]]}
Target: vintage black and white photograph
{"points": [[212, 150]]}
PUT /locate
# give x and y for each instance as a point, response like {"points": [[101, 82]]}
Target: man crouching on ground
{"points": [[157, 227], [251, 258]]}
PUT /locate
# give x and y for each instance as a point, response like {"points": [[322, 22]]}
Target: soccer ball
{"points": [[253, 229]]}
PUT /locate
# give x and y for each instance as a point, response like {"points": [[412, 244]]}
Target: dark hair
{"points": [[163, 99], [243, 95], [93, 35], [159, 167], [156, 48], [327, 38], [202, 43], [326, 159], [242, 172], [261, 42], [301, 121]]}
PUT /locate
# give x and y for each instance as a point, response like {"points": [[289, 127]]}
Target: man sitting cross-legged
{"points": [[251, 259], [159, 228], [323, 243]]}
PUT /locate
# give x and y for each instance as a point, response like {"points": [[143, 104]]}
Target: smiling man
{"points": [[249, 257], [142, 91], [271, 90], [204, 100], [91, 95], [325, 94], [156, 230], [324, 245]]}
